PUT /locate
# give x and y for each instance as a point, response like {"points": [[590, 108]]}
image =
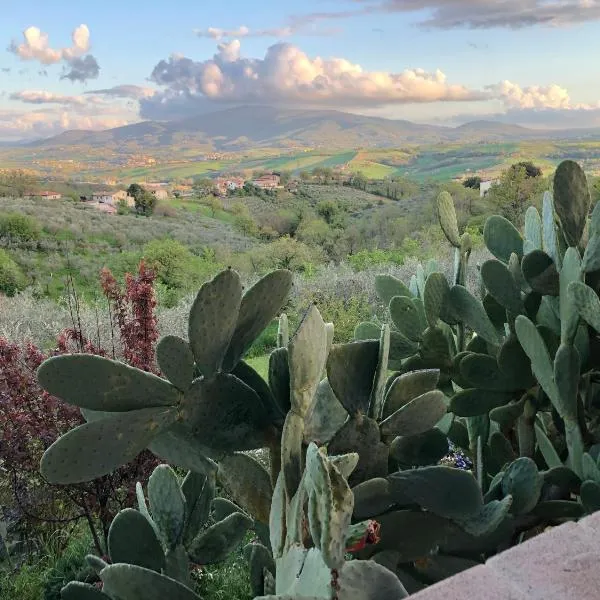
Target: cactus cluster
{"points": [[356, 431], [165, 536]]}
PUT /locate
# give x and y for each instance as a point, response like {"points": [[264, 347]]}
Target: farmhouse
{"points": [[228, 184], [267, 182], [113, 198], [44, 195]]}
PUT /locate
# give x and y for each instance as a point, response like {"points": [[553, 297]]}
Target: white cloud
{"points": [[287, 75], [45, 97], [36, 46], [535, 97], [125, 91], [476, 14], [79, 66]]}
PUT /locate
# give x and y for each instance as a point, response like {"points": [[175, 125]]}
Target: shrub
{"points": [[171, 261], [11, 277], [15, 227]]}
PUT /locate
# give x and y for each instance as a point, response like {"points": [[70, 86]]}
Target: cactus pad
{"points": [[351, 369], [130, 581], [260, 305], [98, 383], [325, 416], [447, 218], [407, 387], [95, 449], [248, 483], [387, 287], [131, 539], [571, 200], [444, 491], [420, 450], [176, 361], [77, 590], [216, 542], [167, 505], [524, 483], [213, 319], [501, 285], [307, 353], [417, 416], [502, 238], [226, 414], [434, 297]]}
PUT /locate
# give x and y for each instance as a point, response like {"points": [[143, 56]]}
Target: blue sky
{"points": [[532, 62]]}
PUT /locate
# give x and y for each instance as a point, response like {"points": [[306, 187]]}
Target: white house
{"points": [[484, 187], [113, 198]]}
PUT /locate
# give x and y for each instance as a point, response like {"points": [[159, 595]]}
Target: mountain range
{"points": [[249, 127]]}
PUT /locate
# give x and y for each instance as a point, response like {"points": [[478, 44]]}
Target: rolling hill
{"points": [[249, 127]]}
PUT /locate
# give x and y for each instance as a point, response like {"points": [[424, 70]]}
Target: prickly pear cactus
{"points": [[168, 532], [210, 403]]}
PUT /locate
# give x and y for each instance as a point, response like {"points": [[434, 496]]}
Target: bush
{"points": [[171, 261], [15, 227], [11, 277]]}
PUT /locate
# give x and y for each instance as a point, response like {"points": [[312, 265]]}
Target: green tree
{"points": [[243, 220], [530, 169], [359, 181], [15, 227], [514, 193], [284, 253], [11, 277], [472, 182], [328, 209], [145, 201], [171, 260], [216, 205]]}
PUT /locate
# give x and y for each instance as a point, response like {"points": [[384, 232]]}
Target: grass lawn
{"points": [[261, 365]]}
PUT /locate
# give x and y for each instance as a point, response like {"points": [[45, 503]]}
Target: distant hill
{"points": [[262, 126]]}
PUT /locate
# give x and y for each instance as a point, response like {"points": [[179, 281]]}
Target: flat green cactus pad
{"points": [[571, 200], [167, 505], [137, 583], [226, 414], [77, 590], [132, 540], [502, 238], [215, 543], [351, 370], [98, 383], [176, 361], [95, 449], [387, 286], [420, 450], [417, 416], [213, 319], [248, 483], [260, 305], [447, 218]]}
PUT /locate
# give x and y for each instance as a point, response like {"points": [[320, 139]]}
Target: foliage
{"points": [[145, 201], [31, 420], [12, 278], [283, 253], [472, 182], [15, 228], [511, 195]]}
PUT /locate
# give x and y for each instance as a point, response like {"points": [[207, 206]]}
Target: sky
{"points": [[65, 64]]}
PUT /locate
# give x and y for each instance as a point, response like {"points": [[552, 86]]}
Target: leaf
{"points": [[569, 317], [325, 416], [259, 306], [524, 483], [566, 375], [101, 384], [199, 492], [212, 320], [473, 402], [533, 228], [99, 447]]}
